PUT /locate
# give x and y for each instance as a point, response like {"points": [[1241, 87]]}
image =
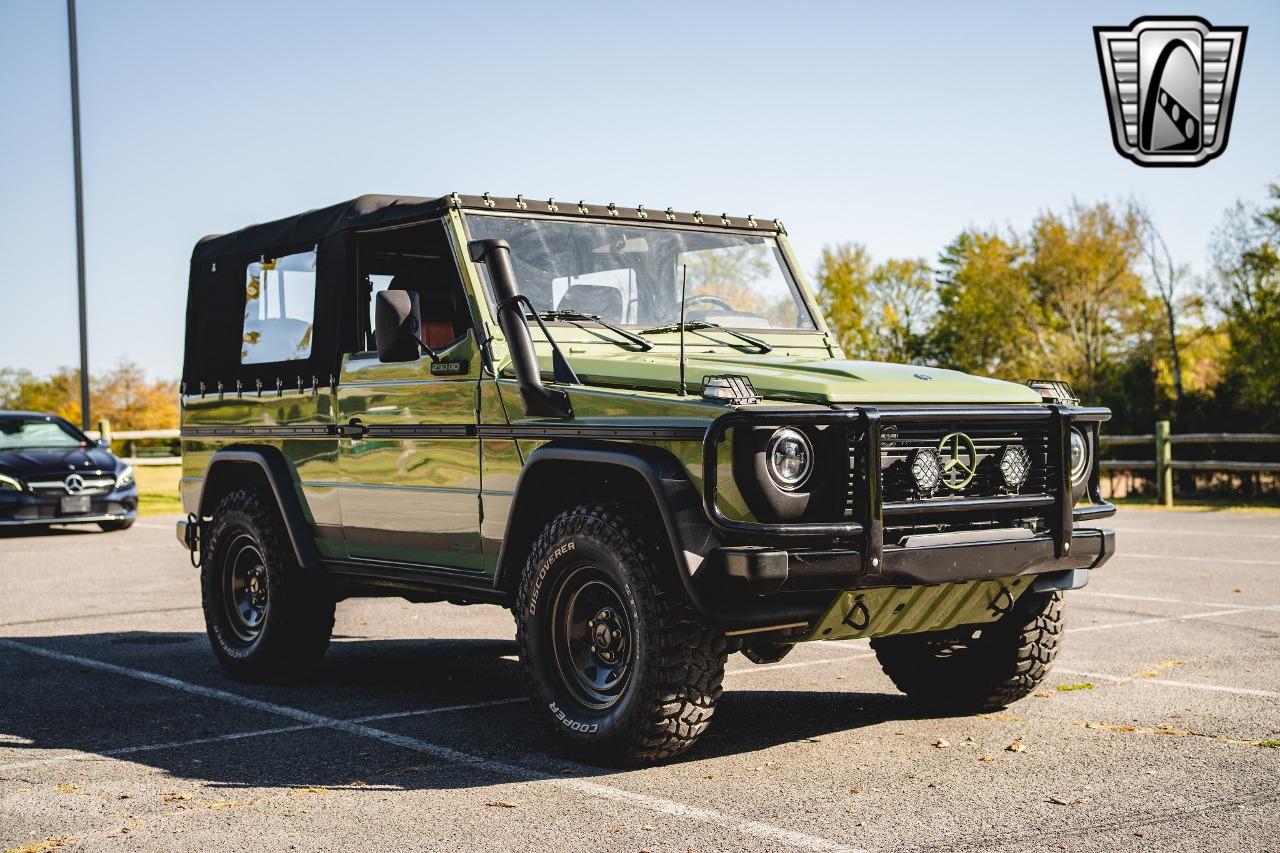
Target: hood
{"points": [[804, 379], [57, 462]]}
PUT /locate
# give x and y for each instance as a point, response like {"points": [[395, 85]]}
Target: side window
{"points": [[279, 309]]}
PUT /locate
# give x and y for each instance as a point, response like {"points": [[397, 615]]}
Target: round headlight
{"points": [[790, 458], [1079, 456]]}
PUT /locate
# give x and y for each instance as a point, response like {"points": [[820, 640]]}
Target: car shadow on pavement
{"points": [[457, 699], [37, 531]]}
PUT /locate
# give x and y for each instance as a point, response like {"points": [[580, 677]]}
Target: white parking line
{"points": [[1164, 682], [1090, 594], [178, 744], [768, 667], [1157, 620], [1123, 530], [1184, 559], [514, 772]]}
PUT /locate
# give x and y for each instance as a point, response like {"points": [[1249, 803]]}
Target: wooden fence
{"points": [[1162, 464]]}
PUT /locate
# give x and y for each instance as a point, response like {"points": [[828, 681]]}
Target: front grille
{"points": [[53, 488], [899, 441]]}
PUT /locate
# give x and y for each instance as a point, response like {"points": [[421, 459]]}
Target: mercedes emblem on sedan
{"points": [[74, 484]]}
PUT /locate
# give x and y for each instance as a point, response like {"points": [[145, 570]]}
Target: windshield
{"points": [[632, 275], [22, 433]]}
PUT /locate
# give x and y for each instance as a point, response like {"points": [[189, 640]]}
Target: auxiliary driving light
{"points": [[926, 469], [790, 458], [1015, 465]]}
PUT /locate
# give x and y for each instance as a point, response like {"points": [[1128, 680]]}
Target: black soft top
{"points": [[367, 211], [216, 293]]}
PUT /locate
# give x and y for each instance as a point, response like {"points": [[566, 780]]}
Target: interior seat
{"points": [[599, 299], [439, 308]]}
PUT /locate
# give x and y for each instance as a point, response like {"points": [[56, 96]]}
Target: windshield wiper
{"points": [[583, 317], [699, 325]]}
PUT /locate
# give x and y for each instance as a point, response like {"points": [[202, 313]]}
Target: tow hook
{"points": [[190, 530]]}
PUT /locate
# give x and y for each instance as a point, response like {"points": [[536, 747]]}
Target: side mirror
{"points": [[397, 324]]}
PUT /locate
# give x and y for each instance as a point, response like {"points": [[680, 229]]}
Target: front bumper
{"points": [[762, 571], [34, 509]]}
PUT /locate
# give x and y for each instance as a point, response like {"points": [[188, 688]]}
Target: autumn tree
{"points": [[1083, 274], [1247, 261], [988, 316], [844, 282], [123, 395]]}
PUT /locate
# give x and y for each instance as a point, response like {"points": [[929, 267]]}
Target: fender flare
{"points": [[283, 481], [679, 505]]}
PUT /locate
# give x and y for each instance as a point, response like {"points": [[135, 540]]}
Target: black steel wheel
{"points": [[591, 639], [267, 618], [619, 665], [246, 593]]}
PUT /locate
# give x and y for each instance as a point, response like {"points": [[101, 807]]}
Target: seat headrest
{"points": [[593, 299]]}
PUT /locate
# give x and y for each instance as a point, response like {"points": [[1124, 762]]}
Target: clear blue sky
{"points": [[895, 125]]}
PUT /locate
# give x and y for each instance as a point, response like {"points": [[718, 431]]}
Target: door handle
{"points": [[353, 429]]}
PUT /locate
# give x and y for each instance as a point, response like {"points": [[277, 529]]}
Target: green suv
{"points": [[632, 428]]}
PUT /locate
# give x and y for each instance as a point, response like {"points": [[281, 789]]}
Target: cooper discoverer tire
{"points": [[957, 672], [267, 619], [617, 663]]}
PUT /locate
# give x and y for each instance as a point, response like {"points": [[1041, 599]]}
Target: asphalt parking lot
{"points": [[1156, 730]]}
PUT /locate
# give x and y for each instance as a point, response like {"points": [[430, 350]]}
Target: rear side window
{"points": [[279, 309]]}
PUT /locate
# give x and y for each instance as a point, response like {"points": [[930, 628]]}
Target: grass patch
{"points": [[1271, 744], [158, 489], [1067, 688]]}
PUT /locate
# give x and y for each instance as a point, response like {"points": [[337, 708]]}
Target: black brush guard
{"points": [[851, 552]]}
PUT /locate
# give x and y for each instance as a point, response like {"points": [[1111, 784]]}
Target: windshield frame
{"points": [[62, 423], [782, 252]]}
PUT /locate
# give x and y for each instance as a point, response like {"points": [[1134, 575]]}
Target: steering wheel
{"points": [[714, 300]]}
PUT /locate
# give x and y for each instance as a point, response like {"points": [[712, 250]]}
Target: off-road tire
{"points": [[674, 679], [112, 526], [956, 672], [297, 620]]}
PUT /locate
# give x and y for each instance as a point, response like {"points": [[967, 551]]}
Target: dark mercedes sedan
{"points": [[52, 473]]}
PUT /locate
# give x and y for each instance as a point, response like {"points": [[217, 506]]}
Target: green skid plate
{"points": [[916, 609]]}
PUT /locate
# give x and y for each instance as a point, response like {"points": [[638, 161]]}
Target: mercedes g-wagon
{"points": [[631, 427]]}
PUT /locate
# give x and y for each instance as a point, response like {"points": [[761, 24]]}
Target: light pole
{"points": [[79, 182]]}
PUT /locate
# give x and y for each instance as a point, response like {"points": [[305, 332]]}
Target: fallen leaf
{"points": [[357, 783], [1016, 746], [986, 758], [177, 796], [648, 827], [70, 788], [941, 744], [1158, 668], [503, 804], [855, 790], [1042, 694], [613, 830], [1237, 589]]}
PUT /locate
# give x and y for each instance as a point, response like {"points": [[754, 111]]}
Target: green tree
{"points": [[902, 304], [988, 318], [844, 281], [1247, 258]]}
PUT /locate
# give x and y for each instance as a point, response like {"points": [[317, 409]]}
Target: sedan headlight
{"points": [[125, 477], [1080, 456], [789, 458], [11, 484]]}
